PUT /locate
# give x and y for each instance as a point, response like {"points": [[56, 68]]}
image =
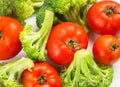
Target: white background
{"points": [[92, 37]]}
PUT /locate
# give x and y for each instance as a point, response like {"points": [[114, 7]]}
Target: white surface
{"points": [[92, 37]]}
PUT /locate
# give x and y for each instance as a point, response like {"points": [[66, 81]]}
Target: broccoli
{"points": [[85, 72], [19, 9], [58, 6], [34, 43], [10, 73], [70, 10]]}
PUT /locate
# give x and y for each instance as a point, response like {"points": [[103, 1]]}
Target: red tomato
{"points": [[41, 75], [64, 40], [104, 17], [10, 44], [106, 49]]}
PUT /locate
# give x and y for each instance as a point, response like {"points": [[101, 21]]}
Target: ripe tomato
{"points": [[104, 17], [64, 40], [106, 49], [10, 44], [41, 75]]}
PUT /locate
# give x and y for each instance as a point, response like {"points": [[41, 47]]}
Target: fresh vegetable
{"points": [[41, 75], [34, 43], [106, 49], [19, 9], [65, 39], [10, 73], [104, 17], [10, 44], [84, 72], [68, 10]]}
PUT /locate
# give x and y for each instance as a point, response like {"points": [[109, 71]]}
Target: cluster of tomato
{"points": [[64, 40]]}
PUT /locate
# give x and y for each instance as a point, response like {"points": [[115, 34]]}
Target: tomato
{"points": [[106, 49], [10, 44], [104, 17], [41, 75], [64, 40]]}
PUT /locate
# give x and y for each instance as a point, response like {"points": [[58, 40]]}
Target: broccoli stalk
{"points": [[10, 73], [19, 9], [84, 72], [34, 43], [77, 12]]}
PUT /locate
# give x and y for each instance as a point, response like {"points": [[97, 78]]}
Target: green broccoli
{"points": [[34, 43], [84, 72], [58, 6], [70, 10], [10, 73], [19, 9]]}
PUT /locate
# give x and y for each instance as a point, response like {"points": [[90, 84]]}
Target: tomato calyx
{"points": [[73, 44], [110, 10], [114, 47], [42, 79]]}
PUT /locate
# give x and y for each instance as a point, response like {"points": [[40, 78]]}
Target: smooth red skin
{"points": [[100, 22], [58, 51], [102, 52], [10, 44], [30, 78]]}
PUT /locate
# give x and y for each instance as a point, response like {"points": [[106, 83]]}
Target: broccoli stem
{"points": [[44, 32], [14, 69], [74, 15], [37, 4]]}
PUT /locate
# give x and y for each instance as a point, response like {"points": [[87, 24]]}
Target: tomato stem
{"points": [[42, 79], [114, 47], [110, 10], [73, 44]]}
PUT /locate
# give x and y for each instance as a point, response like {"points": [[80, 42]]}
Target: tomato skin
{"points": [[57, 47], [105, 51], [102, 21], [31, 78], [10, 44]]}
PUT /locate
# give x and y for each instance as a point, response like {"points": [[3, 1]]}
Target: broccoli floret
{"points": [[58, 6], [77, 12], [71, 10], [10, 73], [19, 9], [85, 72], [34, 43]]}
